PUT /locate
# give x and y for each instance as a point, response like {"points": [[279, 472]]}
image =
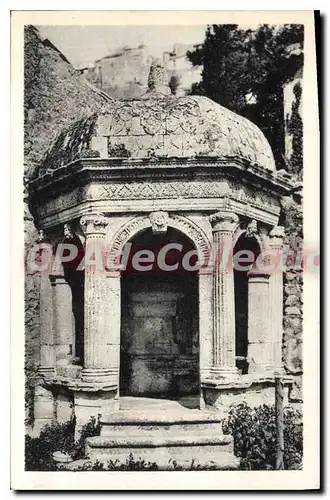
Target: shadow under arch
{"points": [[245, 243], [159, 355]]}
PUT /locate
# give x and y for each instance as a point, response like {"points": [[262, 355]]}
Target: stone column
{"points": [[97, 363], [224, 349], [47, 354], [275, 244], [259, 347], [44, 411], [63, 319]]}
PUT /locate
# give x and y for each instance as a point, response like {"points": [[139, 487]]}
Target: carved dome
{"points": [[162, 125]]}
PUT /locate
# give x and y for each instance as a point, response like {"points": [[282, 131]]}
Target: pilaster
{"points": [[275, 244], [260, 348]]}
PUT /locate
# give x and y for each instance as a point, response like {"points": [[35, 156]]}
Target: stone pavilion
{"points": [[153, 171]]}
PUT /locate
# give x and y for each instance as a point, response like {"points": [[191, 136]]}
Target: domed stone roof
{"points": [[162, 125]]}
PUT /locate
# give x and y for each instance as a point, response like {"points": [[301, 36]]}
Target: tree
{"points": [[244, 70]]}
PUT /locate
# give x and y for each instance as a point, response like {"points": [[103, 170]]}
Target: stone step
{"points": [[170, 426], [213, 451], [177, 423], [200, 429], [165, 433]]}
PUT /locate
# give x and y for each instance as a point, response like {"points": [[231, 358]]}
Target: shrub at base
{"points": [[254, 432]]}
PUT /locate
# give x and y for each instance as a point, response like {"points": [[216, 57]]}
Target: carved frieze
{"points": [[200, 190]]}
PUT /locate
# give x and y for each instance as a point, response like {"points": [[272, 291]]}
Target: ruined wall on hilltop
{"points": [[55, 95], [123, 74]]}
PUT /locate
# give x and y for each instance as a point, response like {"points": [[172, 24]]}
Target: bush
{"points": [[92, 428], [53, 437], [254, 433], [115, 465], [57, 437]]}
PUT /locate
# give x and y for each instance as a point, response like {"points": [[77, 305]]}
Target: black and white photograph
{"points": [[167, 257]]}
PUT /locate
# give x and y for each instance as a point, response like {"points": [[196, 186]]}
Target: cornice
{"points": [[87, 170]]}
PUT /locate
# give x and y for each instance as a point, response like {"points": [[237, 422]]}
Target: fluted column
{"points": [[44, 409], [275, 244], [97, 303], [223, 225], [47, 354]]}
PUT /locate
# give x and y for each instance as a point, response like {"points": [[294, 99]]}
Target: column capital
{"points": [[94, 224], [276, 236], [224, 221]]}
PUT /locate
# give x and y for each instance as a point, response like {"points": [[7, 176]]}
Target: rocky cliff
{"points": [[55, 95]]}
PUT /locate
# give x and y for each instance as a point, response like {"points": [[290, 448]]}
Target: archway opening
{"points": [[245, 244], [159, 354]]}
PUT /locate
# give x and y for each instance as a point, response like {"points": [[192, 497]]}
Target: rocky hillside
{"points": [[55, 94]]}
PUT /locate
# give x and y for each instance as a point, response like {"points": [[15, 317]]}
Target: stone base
{"points": [[165, 433], [44, 408], [253, 389], [89, 404]]}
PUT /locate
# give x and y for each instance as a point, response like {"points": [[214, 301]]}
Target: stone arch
{"points": [[141, 222]]}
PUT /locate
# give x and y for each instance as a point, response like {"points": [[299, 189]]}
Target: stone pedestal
{"points": [[260, 347], [93, 403], [44, 408], [64, 407], [224, 224]]}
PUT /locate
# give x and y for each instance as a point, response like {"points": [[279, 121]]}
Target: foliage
{"points": [[90, 429], [174, 83], [295, 127], [88, 153], [245, 70], [118, 151], [254, 433], [39, 450], [57, 437], [132, 464]]}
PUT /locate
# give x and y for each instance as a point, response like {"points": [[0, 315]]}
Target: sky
{"points": [[82, 45]]}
